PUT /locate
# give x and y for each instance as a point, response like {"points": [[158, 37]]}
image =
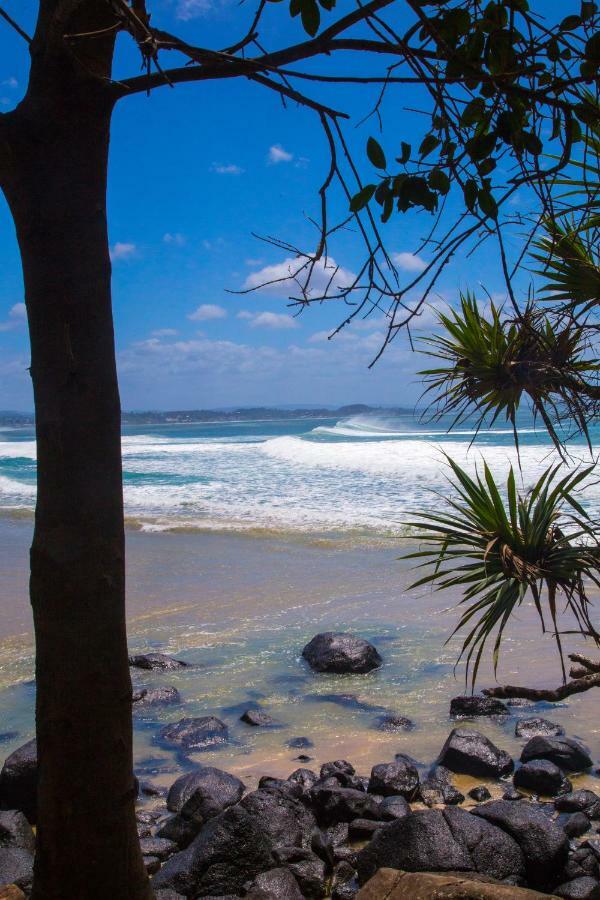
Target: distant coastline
{"points": [[242, 414]]}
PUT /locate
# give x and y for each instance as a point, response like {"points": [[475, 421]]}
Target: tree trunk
{"points": [[54, 176]]}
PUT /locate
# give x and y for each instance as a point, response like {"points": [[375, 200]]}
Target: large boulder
{"points": [[542, 777], [276, 884], [538, 727], [307, 868], [393, 885], [442, 840], [286, 821], [18, 781], [16, 867], [438, 788], [471, 753], [341, 653], [333, 803], [15, 831], [473, 705], [578, 801], [231, 850], [584, 888], [544, 844], [214, 789], [156, 661], [203, 733], [395, 778], [566, 753]]}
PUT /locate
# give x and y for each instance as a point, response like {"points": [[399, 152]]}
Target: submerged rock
{"points": [[202, 733], [392, 722], [438, 788], [479, 793], [470, 706], [18, 781], [471, 753], [161, 696], [156, 661], [341, 653], [299, 743], [257, 718], [567, 753], [538, 727]]}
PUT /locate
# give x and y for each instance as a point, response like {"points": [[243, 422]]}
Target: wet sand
{"points": [[240, 608]]}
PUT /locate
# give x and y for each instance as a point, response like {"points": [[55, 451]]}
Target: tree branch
{"points": [[578, 686], [15, 25]]}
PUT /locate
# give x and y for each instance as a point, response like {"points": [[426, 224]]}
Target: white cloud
{"points": [[16, 315], [278, 155], [273, 320], [165, 332], [192, 9], [174, 238], [10, 82], [228, 169], [253, 262], [409, 262], [207, 312], [278, 279], [122, 250]]}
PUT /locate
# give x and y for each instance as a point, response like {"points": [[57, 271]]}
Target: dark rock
{"points": [[306, 778], [512, 794], [156, 661], [303, 758], [215, 790], [151, 864], [284, 787], [148, 789], [162, 696], [537, 727], [542, 777], [392, 808], [276, 884], [299, 743], [394, 723], [333, 769], [341, 653], [438, 788], [257, 718], [577, 824], [285, 821], [594, 845], [346, 854], [442, 841], [159, 847], [584, 888], [6, 736], [307, 869], [479, 793], [168, 894], [16, 867], [322, 845], [18, 781], [231, 849], [15, 831], [567, 753], [337, 834], [544, 844], [576, 801], [202, 733], [472, 753], [398, 778], [472, 706], [345, 883], [364, 828], [333, 803]]}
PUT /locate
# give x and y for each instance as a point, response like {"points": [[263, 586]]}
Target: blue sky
{"points": [[193, 172]]}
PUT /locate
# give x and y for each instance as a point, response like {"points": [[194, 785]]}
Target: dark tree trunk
{"points": [[53, 172]]}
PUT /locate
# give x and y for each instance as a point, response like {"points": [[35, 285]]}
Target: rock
{"points": [[394, 723], [566, 753], [162, 696], [216, 790], [442, 840], [393, 885], [148, 789], [156, 661], [11, 892], [257, 718], [333, 803], [16, 867], [542, 777], [167, 895], [303, 758], [576, 801], [471, 706], [584, 888], [471, 753], [438, 788], [307, 869], [577, 824], [392, 808], [299, 743], [361, 829], [398, 778], [479, 793], [151, 864], [285, 788], [306, 778], [512, 794], [18, 781], [15, 831], [544, 844], [276, 884], [335, 768], [345, 883], [231, 849], [202, 733], [341, 653], [158, 847], [537, 727], [285, 821]]}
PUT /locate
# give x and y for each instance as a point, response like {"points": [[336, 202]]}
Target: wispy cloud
{"points": [[226, 169], [122, 250], [277, 155], [279, 279], [10, 82], [277, 321], [164, 332], [192, 9], [409, 262], [174, 238], [207, 312], [16, 316]]}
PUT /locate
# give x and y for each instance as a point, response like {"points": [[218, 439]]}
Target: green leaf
{"points": [[439, 181], [310, 15], [473, 112], [428, 144], [570, 23], [405, 155], [360, 200], [375, 153], [470, 192]]}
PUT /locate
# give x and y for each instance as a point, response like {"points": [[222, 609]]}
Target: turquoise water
{"points": [[365, 473]]}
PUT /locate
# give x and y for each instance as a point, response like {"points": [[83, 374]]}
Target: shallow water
{"points": [[241, 607]]}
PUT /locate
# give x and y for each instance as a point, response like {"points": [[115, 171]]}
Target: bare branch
{"points": [[578, 686], [15, 25]]}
